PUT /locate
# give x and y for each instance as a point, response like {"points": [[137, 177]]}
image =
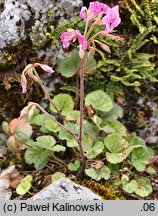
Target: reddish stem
{"points": [[77, 88], [80, 174], [151, 133]]}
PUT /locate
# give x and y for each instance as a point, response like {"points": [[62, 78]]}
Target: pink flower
{"points": [[23, 83], [47, 68], [112, 19], [93, 11], [72, 35], [24, 89], [82, 40], [83, 13]]}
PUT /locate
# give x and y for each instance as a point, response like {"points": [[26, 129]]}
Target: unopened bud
{"points": [[23, 83], [31, 112], [47, 68]]}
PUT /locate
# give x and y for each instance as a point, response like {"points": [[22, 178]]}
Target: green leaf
{"points": [[99, 100], [28, 178], [131, 186], [97, 120], [140, 159], [5, 127], [97, 149], [124, 179], [23, 187], [87, 143], [63, 102], [115, 127], [144, 187], [120, 157], [137, 141], [46, 142], [115, 143], [93, 173], [115, 113], [56, 176], [103, 173], [58, 148], [113, 168], [151, 170], [63, 135], [90, 67], [40, 120], [69, 65], [37, 156], [74, 166], [90, 129], [71, 115], [69, 88], [52, 126]]}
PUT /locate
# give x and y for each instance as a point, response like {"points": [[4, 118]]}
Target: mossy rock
{"points": [[105, 190]]}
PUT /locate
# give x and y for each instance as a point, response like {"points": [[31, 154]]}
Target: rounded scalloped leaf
{"points": [[21, 130], [70, 65], [99, 100], [131, 186], [28, 178], [52, 126], [115, 143], [63, 102], [12, 145], [74, 166], [71, 115], [103, 173], [23, 187], [56, 176], [116, 127], [5, 127], [37, 156], [97, 149], [140, 158], [144, 187], [46, 142]]}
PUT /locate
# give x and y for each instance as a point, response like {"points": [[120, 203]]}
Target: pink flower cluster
{"points": [[111, 19], [95, 9]]}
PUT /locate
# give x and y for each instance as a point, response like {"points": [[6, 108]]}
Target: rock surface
{"points": [[26, 18], [5, 192], [65, 189]]}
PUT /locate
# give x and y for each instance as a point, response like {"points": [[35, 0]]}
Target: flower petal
{"points": [[112, 19], [82, 40]]}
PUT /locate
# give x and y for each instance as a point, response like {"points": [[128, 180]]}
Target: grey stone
{"points": [[5, 192], [18, 14], [65, 189]]}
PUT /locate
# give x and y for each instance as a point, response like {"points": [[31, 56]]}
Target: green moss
{"points": [[105, 190]]}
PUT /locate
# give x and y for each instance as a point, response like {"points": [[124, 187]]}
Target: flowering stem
{"points": [[48, 97], [77, 93], [86, 28], [53, 119], [90, 30], [80, 174]]}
